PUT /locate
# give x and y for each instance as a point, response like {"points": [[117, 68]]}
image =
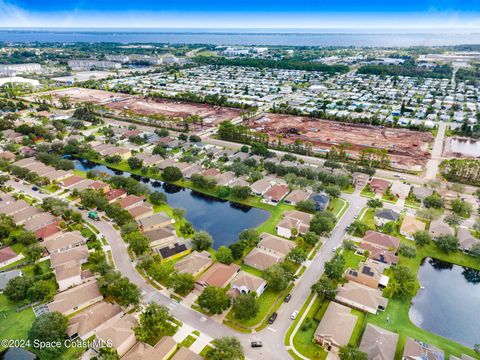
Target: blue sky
{"points": [[241, 13]]}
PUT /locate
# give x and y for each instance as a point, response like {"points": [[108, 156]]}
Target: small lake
{"points": [[222, 219], [449, 301], [466, 147]]}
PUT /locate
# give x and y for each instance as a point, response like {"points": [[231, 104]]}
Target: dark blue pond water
{"points": [[222, 219], [449, 301]]}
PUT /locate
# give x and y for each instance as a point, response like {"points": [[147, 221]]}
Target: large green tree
{"points": [[245, 306], [214, 299]]}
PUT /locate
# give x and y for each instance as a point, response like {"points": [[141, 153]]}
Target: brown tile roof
{"points": [[141, 210], [6, 253], [66, 239], [378, 343], [193, 262], [380, 239], [66, 301], [185, 354], [218, 274], [143, 351], [114, 193], [276, 244], [72, 180], [92, 318], [78, 254], [39, 221], [119, 332], [261, 259], [130, 200], [247, 280], [379, 184], [276, 192], [337, 324], [47, 231], [297, 195]]}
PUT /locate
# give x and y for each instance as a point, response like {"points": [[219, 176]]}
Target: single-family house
{"points": [[131, 201], [361, 297], [64, 241], [466, 239], [7, 256], [383, 216], [378, 343], [336, 327], [75, 299], [186, 354], [260, 187], [359, 180], [379, 185], [370, 274], [296, 196], [276, 193], [39, 221], [6, 276], [410, 226], [119, 334], [141, 211], [85, 324], [155, 221], [400, 190], [415, 349], [382, 240], [194, 263], [245, 283], [219, 275], [421, 192], [115, 194], [294, 220], [321, 201], [162, 350], [439, 228]]}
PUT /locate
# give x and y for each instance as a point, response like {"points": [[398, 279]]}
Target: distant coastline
{"points": [[273, 37]]}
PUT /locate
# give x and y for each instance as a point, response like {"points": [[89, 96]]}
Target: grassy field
{"points": [[368, 219], [14, 325], [396, 316]]}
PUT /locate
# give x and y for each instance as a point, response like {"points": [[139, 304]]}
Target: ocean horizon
{"points": [[249, 36]]}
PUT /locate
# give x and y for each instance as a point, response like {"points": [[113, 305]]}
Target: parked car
{"points": [[34, 188], [294, 315], [287, 298], [256, 344], [272, 318]]}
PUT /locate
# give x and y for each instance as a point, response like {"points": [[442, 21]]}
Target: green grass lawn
{"points": [[188, 341], [336, 206], [396, 317], [251, 270], [367, 193], [205, 350], [351, 259], [358, 329], [14, 325], [368, 218]]}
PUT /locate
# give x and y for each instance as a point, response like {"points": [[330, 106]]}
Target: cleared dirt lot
{"points": [[406, 148], [79, 95], [212, 115]]}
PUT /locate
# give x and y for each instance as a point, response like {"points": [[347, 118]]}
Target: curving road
{"points": [[272, 336]]}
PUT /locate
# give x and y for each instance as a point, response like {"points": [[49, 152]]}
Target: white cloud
{"points": [[12, 15]]}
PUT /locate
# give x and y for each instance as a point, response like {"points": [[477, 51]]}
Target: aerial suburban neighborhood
{"points": [[223, 202]]}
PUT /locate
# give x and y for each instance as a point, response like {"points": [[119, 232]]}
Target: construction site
{"points": [[407, 149], [130, 104]]}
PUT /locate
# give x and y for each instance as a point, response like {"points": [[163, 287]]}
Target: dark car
{"points": [[272, 318], [34, 188], [287, 298], [256, 344]]}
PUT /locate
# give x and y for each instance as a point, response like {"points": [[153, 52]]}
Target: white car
{"points": [[294, 315]]}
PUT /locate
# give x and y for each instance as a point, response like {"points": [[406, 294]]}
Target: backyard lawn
{"points": [[14, 325]]}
